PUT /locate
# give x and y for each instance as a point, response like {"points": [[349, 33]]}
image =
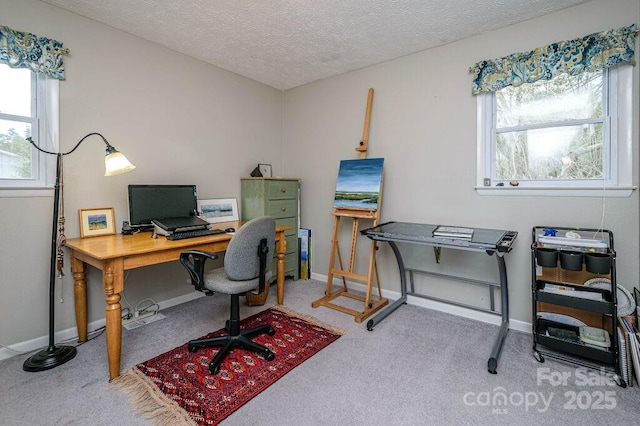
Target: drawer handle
{"points": [[284, 209], [283, 190]]}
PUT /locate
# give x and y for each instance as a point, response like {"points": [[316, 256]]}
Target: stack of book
{"points": [[453, 232]]}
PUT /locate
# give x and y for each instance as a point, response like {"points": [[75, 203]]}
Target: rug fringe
{"points": [[149, 401], [310, 319]]}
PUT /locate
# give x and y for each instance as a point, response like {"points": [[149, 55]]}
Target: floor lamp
{"points": [[115, 164]]}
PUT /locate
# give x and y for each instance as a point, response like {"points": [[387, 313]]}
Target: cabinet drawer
{"points": [[292, 244], [282, 208], [282, 189], [292, 241], [290, 265]]}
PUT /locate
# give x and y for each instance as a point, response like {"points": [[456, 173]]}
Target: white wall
{"points": [[177, 119], [424, 126]]}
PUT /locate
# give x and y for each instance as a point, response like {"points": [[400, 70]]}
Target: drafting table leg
{"points": [[504, 327], [403, 288]]}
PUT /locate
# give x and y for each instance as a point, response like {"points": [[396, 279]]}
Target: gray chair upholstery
{"points": [[246, 267]]}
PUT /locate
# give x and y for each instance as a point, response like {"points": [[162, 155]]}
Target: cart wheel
{"points": [[620, 381], [538, 356]]}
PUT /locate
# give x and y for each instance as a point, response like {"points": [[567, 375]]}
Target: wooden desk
{"points": [[114, 254]]}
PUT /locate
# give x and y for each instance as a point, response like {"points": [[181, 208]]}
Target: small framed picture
{"points": [[219, 209], [265, 170], [94, 222]]}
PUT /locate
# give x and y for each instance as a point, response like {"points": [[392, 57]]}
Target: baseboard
{"points": [[71, 333], [436, 306]]}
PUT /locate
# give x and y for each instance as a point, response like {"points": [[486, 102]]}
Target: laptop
{"points": [[180, 224]]}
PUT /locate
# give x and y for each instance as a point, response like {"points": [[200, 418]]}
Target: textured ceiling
{"points": [[288, 43]]}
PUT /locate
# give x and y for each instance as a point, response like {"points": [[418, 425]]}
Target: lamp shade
{"points": [[116, 163]]}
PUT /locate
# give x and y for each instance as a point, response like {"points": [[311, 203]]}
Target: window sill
{"points": [[613, 192], [25, 192]]}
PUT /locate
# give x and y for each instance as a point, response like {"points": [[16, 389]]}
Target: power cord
{"points": [[15, 351], [128, 313], [90, 336], [143, 310]]}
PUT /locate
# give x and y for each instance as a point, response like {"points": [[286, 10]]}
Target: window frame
{"points": [[44, 130], [618, 127]]}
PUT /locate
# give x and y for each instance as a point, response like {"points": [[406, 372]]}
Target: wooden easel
{"points": [[370, 306]]}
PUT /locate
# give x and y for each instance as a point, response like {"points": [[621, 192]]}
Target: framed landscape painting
{"points": [[218, 209], [359, 184], [94, 222]]}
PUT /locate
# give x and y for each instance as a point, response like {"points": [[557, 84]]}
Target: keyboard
{"points": [[193, 234]]}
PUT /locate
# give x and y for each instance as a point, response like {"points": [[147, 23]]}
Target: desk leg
{"points": [[281, 249], [80, 297], [113, 284], [403, 288]]}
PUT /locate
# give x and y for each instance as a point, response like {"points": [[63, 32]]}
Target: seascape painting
{"points": [[359, 184], [97, 222], [218, 209]]}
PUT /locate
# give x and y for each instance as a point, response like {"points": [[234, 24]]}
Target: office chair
{"points": [[246, 267]]}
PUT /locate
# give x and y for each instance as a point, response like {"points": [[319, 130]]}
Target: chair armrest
{"points": [[193, 261], [263, 249]]}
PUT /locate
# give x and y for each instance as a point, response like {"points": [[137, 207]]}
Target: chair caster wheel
{"points": [[269, 356], [214, 369], [192, 349], [271, 331]]}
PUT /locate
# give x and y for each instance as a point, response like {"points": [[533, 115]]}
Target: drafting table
{"points": [[491, 241]]}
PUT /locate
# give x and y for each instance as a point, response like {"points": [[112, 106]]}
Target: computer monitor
{"points": [[148, 202]]}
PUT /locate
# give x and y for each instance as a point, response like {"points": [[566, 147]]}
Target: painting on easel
{"points": [[359, 184]]}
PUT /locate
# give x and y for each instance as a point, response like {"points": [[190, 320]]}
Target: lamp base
{"points": [[49, 358]]}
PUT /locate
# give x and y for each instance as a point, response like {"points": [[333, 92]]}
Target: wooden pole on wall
{"points": [[364, 142]]}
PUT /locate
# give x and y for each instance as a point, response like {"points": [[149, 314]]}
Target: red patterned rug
{"points": [[176, 387]]}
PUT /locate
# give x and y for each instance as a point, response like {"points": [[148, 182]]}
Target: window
{"points": [[570, 135], [28, 107]]}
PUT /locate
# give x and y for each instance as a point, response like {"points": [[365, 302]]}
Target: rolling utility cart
{"points": [[574, 297]]}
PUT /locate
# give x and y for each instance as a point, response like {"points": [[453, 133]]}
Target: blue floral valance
{"points": [[595, 51], [25, 50]]}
